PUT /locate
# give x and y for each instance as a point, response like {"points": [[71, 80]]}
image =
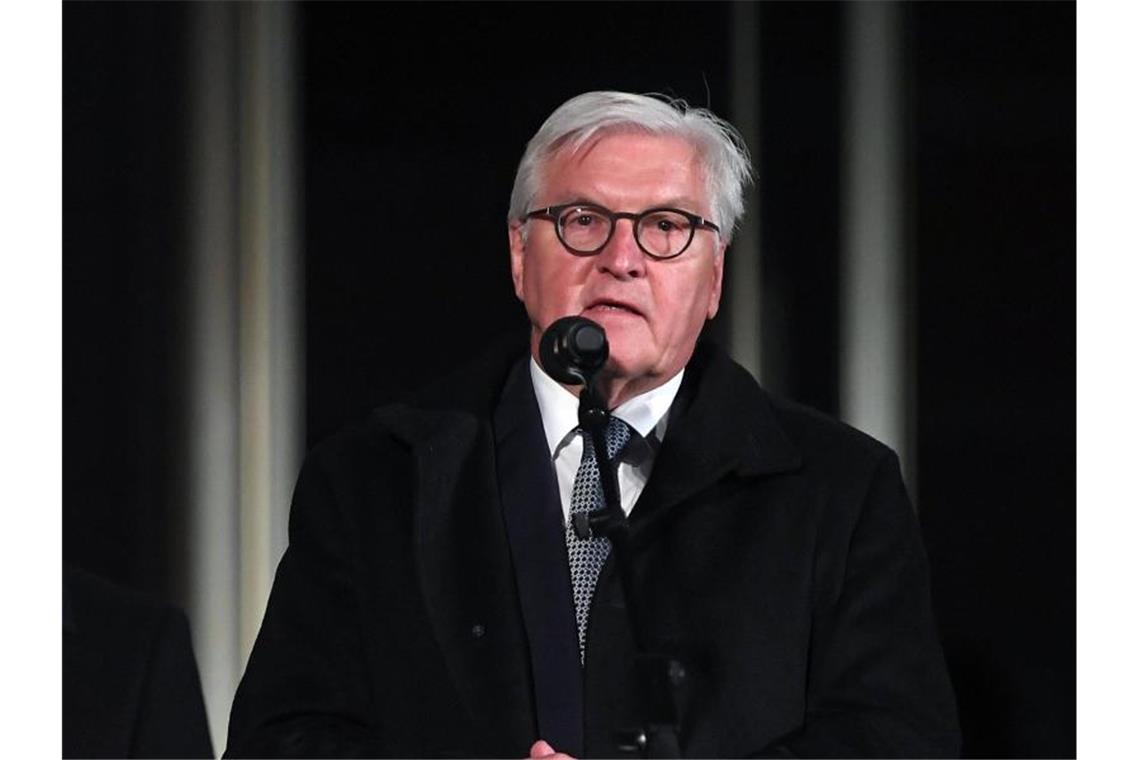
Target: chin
{"points": [[626, 365]]}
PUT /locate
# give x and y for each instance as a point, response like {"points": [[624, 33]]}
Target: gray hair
{"points": [[727, 165]]}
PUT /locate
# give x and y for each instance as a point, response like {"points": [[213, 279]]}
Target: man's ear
{"points": [[718, 279], [518, 259]]}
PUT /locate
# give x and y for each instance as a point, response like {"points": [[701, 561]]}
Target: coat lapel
{"points": [[466, 576], [533, 516]]}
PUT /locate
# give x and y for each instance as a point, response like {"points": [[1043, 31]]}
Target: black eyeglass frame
{"points": [[552, 213]]}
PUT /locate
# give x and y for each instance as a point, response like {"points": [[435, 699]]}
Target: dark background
{"points": [[413, 118]]}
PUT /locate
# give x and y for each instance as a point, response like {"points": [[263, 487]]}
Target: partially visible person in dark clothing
{"points": [[130, 683]]}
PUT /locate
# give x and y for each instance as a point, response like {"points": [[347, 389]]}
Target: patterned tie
{"points": [[588, 555]]}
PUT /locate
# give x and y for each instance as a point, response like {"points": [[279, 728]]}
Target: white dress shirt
{"points": [[647, 414]]}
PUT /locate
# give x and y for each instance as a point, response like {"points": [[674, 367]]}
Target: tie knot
{"points": [[618, 435]]}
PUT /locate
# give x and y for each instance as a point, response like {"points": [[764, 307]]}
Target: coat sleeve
{"points": [[304, 692], [878, 685]]}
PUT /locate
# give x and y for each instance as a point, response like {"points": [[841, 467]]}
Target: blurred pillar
{"points": [[271, 303], [244, 405], [875, 383], [743, 266]]}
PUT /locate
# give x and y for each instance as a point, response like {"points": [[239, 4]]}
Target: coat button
{"points": [[478, 630]]}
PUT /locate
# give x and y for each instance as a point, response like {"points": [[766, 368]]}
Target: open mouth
{"points": [[605, 305]]}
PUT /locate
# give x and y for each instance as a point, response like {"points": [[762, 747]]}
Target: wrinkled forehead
{"points": [[575, 149]]}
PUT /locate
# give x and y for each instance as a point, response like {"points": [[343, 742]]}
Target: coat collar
{"points": [[721, 418], [721, 422]]}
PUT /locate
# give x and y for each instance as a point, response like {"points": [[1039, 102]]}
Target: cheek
{"points": [[549, 289], [689, 311]]}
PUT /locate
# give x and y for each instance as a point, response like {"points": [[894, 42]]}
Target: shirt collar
{"points": [[646, 413]]}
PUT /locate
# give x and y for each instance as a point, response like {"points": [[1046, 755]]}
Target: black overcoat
{"points": [[776, 552]]}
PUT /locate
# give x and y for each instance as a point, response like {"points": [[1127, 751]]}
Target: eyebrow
{"points": [[680, 202]]}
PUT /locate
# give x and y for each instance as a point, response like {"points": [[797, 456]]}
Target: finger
{"points": [[541, 749]]}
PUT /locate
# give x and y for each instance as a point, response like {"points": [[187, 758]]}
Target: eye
{"points": [[582, 218], [665, 223]]}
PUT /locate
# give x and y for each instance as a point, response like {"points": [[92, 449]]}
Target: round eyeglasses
{"points": [[584, 229]]}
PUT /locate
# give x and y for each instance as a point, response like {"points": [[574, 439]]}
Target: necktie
{"points": [[588, 555]]}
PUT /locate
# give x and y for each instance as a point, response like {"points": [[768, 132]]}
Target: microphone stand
{"points": [[660, 677]]}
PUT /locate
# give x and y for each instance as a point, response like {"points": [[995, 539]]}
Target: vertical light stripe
{"points": [[874, 385], [245, 419], [213, 399], [743, 264], [269, 307], [286, 277]]}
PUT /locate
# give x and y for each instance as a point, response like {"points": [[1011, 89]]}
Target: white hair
{"points": [[723, 153]]}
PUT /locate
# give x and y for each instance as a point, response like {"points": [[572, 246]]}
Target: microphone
{"points": [[573, 349]]}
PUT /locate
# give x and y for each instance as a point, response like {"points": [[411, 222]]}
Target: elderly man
{"points": [[434, 599]]}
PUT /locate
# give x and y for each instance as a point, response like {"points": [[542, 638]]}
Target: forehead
{"points": [[626, 170]]}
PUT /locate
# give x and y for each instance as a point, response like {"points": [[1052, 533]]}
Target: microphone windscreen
{"points": [[572, 349]]}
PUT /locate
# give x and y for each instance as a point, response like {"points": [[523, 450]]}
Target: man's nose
{"points": [[622, 257]]}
